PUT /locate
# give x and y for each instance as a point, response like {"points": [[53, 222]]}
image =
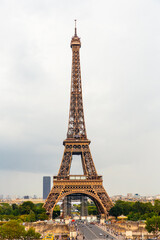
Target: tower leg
{"points": [[67, 206], [84, 209]]}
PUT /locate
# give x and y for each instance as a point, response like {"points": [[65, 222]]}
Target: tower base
{"points": [[92, 188]]}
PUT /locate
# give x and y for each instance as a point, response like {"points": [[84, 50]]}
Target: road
{"points": [[91, 231]]}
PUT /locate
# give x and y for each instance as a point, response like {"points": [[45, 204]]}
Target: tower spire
{"points": [[75, 34]]}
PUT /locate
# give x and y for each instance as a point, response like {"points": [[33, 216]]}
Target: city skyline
{"points": [[128, 196], [120, 56]]}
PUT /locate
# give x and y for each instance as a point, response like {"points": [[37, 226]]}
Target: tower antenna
{"points": [[75, 27]]}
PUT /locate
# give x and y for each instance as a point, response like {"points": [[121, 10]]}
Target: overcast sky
{"points": [[120, 66]]}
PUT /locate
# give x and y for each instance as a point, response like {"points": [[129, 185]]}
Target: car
{"points": [[100, 234]]}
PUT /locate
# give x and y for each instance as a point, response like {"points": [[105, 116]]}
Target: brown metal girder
{"points": [[91, 160]]}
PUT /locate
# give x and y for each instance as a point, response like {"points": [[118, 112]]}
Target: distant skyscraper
{"points": [[1, 196], [46, 186]]}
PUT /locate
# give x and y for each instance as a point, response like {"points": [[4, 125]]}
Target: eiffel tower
{"points": [[90, 184]]}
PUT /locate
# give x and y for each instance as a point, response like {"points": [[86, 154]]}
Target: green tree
{"points": [[149, 207], [12, 230], [26, 207], [134, 211], [43, 216], [23, 218], [153, 225], [27, 211], [117, 209], [31, 234], [39, 208], [134, 216], [5, 209], [15, 209], [31, 217], [92, 209], [56, 212], [157, 207]]}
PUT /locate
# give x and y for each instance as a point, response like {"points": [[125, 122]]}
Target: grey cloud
{"points": [[120, 58]]}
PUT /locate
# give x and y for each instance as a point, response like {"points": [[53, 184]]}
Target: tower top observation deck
{"points": [[75, 39]]}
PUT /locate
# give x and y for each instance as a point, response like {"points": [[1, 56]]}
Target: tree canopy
{"points": [[153, 225], [27, 212], [14, 230], [135, 210]]}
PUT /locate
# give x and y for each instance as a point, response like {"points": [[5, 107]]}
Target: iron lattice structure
{"points": [[90, 183]]}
